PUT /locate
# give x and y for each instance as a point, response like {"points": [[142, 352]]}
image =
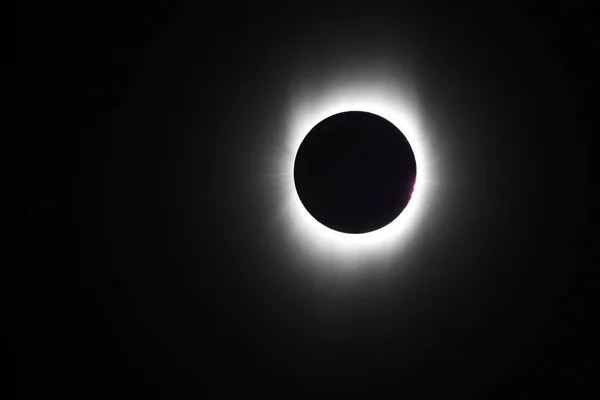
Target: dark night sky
{"points": [[152, 257]]}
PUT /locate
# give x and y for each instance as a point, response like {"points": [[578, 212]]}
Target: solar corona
{"points": [[320, 240]]}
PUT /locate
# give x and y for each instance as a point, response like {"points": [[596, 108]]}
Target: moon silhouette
{"points": [[354, 172]]}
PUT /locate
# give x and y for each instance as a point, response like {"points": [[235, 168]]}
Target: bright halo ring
{"points": [[385, 98]]}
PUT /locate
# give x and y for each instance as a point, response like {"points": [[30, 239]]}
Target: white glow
{"points": [[383, 95]]}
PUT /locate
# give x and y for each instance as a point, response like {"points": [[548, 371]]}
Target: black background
{"points": [[145, 263]]}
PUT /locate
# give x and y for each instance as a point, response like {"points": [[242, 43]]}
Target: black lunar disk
{"points": [[354, 172]]}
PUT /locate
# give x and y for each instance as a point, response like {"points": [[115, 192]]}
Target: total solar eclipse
{"points": [[354, 172]]}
